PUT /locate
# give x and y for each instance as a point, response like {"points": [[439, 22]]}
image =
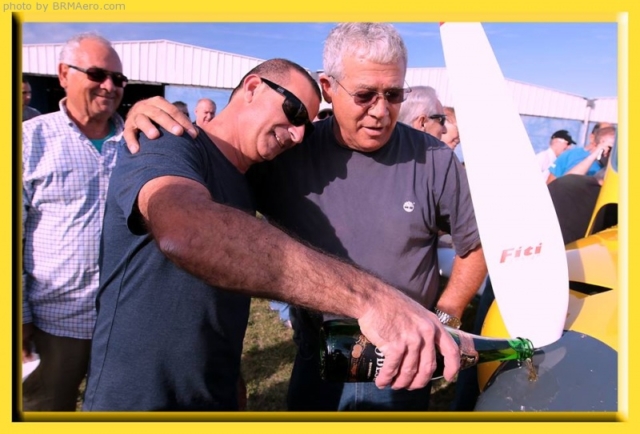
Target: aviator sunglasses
{"points": [[292, 107], [370, 97], [99, 75]]}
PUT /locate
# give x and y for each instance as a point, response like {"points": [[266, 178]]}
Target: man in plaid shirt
{"points": [[67, 159]]}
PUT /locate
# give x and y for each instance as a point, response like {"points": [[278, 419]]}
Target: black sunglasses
{"points": [[293, 108], [370, 97], [440, 118], [99, 75]]}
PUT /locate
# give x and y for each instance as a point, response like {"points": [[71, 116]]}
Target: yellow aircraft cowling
{"points": [[593, 295]]}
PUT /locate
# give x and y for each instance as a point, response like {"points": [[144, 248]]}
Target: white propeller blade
{"points": [[518, 226]]}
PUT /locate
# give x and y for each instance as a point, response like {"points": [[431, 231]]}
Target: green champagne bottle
{"points": [[348, 356]]}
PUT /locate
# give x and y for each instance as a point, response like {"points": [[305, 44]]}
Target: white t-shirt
{"points": [[545, 160]]}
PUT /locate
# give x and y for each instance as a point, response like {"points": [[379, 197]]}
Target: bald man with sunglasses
{"points": [[67, 160], [374, 192]]}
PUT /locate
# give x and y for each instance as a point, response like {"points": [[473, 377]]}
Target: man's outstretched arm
{"points": [[234, 250]]}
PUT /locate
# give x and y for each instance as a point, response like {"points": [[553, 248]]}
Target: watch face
{"points": [[453, 322], [448, 320]]}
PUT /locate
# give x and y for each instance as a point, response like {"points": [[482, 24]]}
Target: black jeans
{"points": [[53, 385]]}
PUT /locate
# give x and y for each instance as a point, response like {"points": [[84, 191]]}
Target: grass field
{"points": [[268, 359]]}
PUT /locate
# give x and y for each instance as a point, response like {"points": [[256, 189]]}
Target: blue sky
{"points": [[577, 58]]}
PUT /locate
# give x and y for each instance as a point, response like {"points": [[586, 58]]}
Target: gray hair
{"points": [[68, 54], [422, 100], [375, 42]]}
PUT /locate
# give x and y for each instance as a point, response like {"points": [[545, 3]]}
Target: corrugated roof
{"points": [[530, 99], [174, 63], [158, 61]]}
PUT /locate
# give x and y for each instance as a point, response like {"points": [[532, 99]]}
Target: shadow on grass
{"points": [[261, 363], [273, 398], [266, 372]]}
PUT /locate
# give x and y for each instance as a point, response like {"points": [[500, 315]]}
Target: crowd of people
{"points": [[142, 248]]}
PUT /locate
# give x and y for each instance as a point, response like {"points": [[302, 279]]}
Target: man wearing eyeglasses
{"points": [[375, 192], [67, 160]]}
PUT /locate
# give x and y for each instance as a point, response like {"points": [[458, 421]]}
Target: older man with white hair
{"points": [[67, 159], [423, 111]]}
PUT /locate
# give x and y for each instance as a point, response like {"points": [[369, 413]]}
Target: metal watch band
{"points": [[448, 320]]}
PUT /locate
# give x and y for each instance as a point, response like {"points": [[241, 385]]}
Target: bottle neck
{"points": [[486, 349]]}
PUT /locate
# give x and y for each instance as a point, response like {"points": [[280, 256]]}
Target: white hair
{"points": [[422, 100], [68, 55], [375, 42]]}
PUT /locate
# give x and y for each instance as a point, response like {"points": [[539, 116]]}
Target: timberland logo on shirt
{"points": [[408, 206]]}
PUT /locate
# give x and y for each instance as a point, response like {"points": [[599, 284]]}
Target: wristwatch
{"points": [[448, 320]]}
